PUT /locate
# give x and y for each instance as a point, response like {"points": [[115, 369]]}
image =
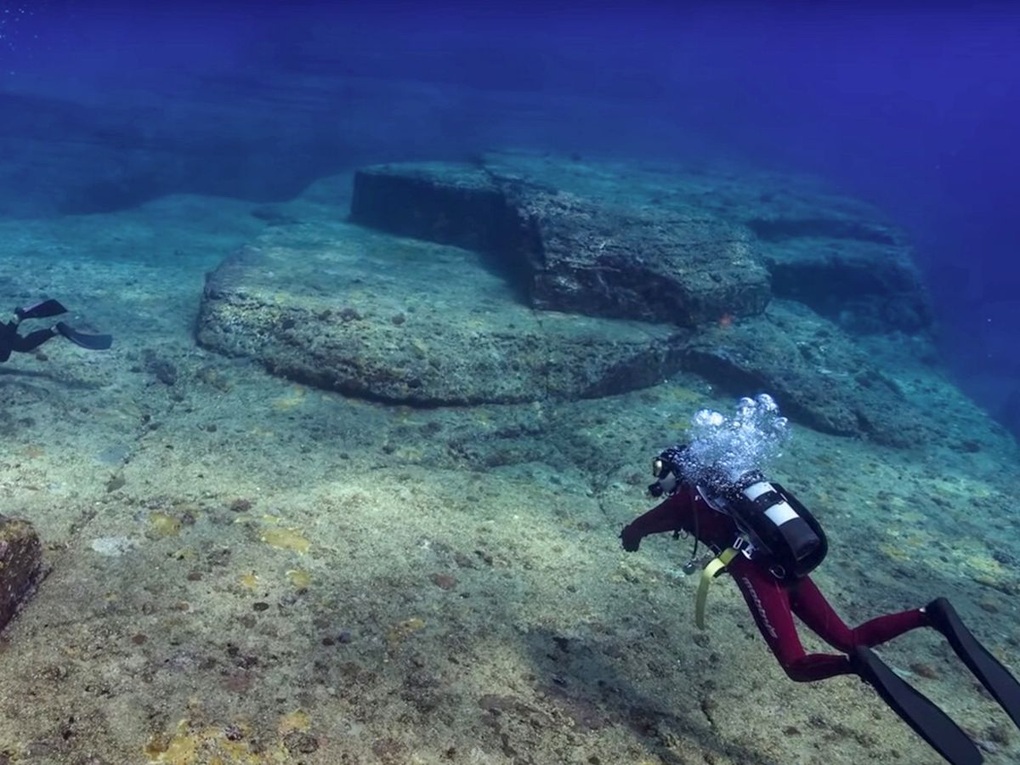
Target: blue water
{"points": [[255, 570], [917, 111]]}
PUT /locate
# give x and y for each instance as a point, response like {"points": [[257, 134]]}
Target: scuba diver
{"points": [[770, 543], [11, 341]]}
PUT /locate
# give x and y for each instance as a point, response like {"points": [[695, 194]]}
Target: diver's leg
{"points": [[32, 340], [812, 608], [8, 335], [770, 606], [927, 720]]}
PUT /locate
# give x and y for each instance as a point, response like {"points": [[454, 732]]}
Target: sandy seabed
{"points": [[244, 570]]}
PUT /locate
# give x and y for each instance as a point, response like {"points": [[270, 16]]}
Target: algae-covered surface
{"points": [[249, 571]]}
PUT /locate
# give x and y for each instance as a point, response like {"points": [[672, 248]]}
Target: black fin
{"points": [[41, 310], [916, 710], [91, 342], [996, 679]]}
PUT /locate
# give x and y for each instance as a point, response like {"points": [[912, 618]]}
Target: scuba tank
{"points": [[776, 529], [779, 531]]}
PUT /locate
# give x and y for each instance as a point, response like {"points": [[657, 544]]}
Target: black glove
{"points": [[665, 516], [631, 538]]}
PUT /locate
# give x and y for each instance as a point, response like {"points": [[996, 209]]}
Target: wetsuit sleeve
{"points": [[674, 514]]}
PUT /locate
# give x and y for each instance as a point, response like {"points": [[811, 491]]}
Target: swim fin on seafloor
{"points": [[916, 709], [996, 679], [91, 342]]}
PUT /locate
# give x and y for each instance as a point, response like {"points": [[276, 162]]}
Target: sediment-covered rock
{"points": [[666, 245], [505, 281], [574, 250], [20, 565], [372, 315], [815, 371]]}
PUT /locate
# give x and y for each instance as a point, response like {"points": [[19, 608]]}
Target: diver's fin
{"points": [[996, 679], [92, 342], [916, 709], [41, 310]]}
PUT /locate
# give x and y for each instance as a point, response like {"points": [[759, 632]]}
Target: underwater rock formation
{"points": [[366, 314], [820, 375], [588, 253], [523, 278], [653, 244]]}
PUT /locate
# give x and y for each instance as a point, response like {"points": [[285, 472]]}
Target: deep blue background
{"points": [[915, 110]]}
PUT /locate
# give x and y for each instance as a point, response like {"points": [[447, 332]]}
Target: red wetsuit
{"points": [[772, 603]]}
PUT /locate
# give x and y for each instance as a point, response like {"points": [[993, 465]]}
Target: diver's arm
{"points": [[673, 514]]}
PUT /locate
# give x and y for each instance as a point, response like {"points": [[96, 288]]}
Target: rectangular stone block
{"points": [[438, 202], [587, 248]]}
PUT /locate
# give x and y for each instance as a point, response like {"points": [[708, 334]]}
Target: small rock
{"points": [[444, 581], [299, 742], [112, 547]]}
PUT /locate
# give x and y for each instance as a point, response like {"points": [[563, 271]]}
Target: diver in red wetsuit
{"points": [[769, 542], [772, 602]]}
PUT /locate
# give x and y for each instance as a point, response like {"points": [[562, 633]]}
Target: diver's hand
{"points": [[630, 538]]}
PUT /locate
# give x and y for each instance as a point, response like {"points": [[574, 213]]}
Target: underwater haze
{"points": [[913, 109], [342, 336]]}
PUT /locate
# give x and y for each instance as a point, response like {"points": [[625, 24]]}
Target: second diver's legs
{"points": [[83, 339], [32, 340], [43, 310]]}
